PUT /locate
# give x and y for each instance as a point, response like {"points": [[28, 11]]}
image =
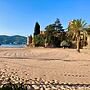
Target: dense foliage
{"points": [[55, 36], [39, 40]]}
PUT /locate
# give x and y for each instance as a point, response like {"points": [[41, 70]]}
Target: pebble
{"points": [[38, 83]]}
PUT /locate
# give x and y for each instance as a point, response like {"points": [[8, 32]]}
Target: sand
{"points": [[64, 65]]}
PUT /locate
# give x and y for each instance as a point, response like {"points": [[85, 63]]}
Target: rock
{"points": [[36, 87]]}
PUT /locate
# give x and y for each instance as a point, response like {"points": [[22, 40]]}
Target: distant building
{"points": [[29, 40], [88, 38]]}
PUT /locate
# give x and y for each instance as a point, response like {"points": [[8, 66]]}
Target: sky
{"points": [[18, 17]]}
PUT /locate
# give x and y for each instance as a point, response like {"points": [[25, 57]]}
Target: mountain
{"points": [[16, 39]]}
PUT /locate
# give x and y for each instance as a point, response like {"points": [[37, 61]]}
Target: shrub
{"points": [[39, 40], [65, 44]]}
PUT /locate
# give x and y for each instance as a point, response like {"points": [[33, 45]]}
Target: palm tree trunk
{"points": [[78, 41]]}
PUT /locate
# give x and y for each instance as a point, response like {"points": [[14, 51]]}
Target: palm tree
{"points": [[76, 26]]}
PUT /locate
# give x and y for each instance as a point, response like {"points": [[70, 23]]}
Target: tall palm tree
{"points": [[76, 26]]}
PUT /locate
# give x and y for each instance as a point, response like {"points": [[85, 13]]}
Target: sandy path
{"points": [[65, 65]]}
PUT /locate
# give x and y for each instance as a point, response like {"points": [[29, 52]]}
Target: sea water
{"points": [[11, 45]]}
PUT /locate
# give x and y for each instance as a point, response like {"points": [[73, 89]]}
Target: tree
{"points": [[37, 29], [58, 26], [76, 26], [49, 34], [54, 33], [39, 40]]}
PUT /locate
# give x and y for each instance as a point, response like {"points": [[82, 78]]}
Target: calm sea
{"points": [[8, 45]]}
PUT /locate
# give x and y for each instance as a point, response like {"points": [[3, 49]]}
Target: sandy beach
{"points": [[64, 65]]}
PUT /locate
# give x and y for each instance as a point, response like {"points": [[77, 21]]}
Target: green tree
{"points": [[54, 33], [75, 27], [58, 26], [49, 34], [37, 29], [39, 40]]}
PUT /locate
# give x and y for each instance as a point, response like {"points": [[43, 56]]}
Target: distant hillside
{"points": [[16, 39]]}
